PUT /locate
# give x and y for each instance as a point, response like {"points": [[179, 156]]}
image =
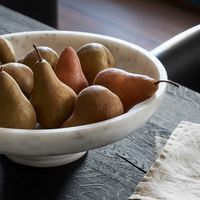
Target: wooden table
{"points": [[108, 173]]}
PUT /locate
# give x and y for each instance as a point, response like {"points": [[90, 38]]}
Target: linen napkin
{"points": [[175, 175]]}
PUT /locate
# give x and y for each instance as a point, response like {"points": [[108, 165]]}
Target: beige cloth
{"points": [[175, 175]]}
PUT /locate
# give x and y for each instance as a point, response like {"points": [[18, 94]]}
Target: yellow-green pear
{"points": [[15, 109], [52, 99], [7, 53], [47, 54], [94, 57], [22, 74], [93, 104]]}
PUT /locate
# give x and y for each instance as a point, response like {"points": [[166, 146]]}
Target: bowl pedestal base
{"points": [[46, 161]]}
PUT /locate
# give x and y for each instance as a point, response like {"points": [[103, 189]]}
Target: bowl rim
{"points": [[41, 132]]}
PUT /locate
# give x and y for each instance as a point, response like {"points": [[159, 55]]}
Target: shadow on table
{"points": [[23, 182]]}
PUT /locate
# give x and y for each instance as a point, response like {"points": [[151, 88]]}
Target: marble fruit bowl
{"points": [[54, 147]]}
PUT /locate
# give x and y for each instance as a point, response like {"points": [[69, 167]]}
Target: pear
{"points": [[93, 104], [94, 57], [7, 53], [131, 88], [22, 74], [68, 70], [47, 53], [16, 111], [52, 99]]}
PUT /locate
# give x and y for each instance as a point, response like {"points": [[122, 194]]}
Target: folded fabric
{"points": [[175, 175]]}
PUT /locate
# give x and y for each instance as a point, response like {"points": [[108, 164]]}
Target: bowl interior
{"points": [[76, 139], [127, 56]]}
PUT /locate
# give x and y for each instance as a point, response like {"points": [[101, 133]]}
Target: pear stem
{"points": [[167, 81], [38, 53]]}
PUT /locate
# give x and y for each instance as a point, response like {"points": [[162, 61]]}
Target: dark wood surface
{"points": [[108, 173], [11, 22]]}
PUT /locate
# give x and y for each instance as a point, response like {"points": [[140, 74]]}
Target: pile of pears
{"points": [[74, 88]]}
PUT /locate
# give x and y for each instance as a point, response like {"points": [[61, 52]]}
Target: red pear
{"points": [[131, 88], [69, 71]]}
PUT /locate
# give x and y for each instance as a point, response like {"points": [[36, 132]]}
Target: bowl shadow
{"points": [[23, 182]]}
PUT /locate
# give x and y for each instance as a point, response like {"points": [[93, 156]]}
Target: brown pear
{"points": [[93, 104], [52, 99], [7, 53], [94, 57], [47, 54], [69, 71], [16, 111], [22, 74], [131, 88]]}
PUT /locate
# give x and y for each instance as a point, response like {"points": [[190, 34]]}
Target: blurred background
{"points": [[147, 23]]}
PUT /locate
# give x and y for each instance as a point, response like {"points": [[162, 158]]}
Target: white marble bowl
{"points": [[54, 147]]}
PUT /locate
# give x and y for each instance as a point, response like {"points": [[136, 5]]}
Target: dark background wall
{"points": [[43, 10]]}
